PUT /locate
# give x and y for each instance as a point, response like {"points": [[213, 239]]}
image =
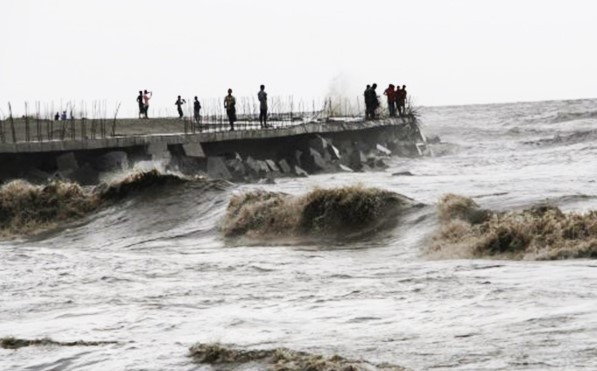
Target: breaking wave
{"points": [[15, 343], [542, 232], [341, 213], [570, 116], [26, 208], [226, 358]]}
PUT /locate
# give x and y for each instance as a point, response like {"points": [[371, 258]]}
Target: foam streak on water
{"points": [[153, 272]]}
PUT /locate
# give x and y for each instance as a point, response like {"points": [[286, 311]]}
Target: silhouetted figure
{"points": [[373, 102], [230, 105], [262, 96], [179, 102], [141, 104], [197, 110], [367, 101], [57, 116], [63, 116], [146, 97], [402, 100], [391, 94]]}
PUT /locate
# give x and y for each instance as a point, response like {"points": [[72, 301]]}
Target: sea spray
{"points": [[346, 212], [221, 357], [542, 232]]}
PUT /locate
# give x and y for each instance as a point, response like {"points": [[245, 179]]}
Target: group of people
{"points": [[396, 97], [229, 105]]}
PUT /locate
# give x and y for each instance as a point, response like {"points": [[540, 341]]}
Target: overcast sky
{"points": [[446, 51]]}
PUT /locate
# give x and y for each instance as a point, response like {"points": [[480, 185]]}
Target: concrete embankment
{"points": [[244, 155]]}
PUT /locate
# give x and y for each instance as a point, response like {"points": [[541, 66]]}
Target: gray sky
{"points": [[446, 51]]}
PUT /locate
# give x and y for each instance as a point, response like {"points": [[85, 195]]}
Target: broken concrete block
{"points": [[263, 166], [333, 152], [345, 168], [297, 156], [193, 150], [236, 168], [284, 166], [252, 166], [216, 168], [300, 172], [112, 161], [272, 166], [356, 160], [67, 161], [319, 144], [317, 160], [383, 150]]}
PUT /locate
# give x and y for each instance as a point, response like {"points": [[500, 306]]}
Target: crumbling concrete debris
{"points": [[383, 150], [319, 144], [345, 168], [272, 166], [216, 168], [300, 172], [284, 166]]}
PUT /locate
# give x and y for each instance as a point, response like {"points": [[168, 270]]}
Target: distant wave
{"points": [[571, 116], [26, 208], [15, 343], [572, 138], [339, 213], [223, 357], [542, 232]]}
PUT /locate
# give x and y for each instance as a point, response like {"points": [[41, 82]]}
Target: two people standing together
{"points": [[143, 101], [230, 106]]}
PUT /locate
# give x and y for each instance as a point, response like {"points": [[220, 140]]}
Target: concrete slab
{"points": [[193, 149], [216, 168]]}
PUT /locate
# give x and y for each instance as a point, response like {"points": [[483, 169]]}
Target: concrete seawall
{"points": [[244, 155]]}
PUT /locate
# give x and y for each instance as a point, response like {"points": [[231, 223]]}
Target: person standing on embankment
{"points": [[230, 106], [146, 97], [179, 102], [262, 96], [197, 110], [141, 104], [391, 94]]}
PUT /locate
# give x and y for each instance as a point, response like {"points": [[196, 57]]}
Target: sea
{"points": [[154, 273]]}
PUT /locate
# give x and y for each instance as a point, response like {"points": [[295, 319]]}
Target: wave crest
{"points": [[542, 232], [26, 208], [277, 359], [347, 212]]}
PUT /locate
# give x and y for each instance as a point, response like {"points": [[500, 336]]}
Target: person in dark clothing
{"points": [[367, 101], [197, 110], [401, 100], [373, 102], [179, 102], [57, 116], [230, 106], [141, 104], [262, 96], [391, 94]]}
